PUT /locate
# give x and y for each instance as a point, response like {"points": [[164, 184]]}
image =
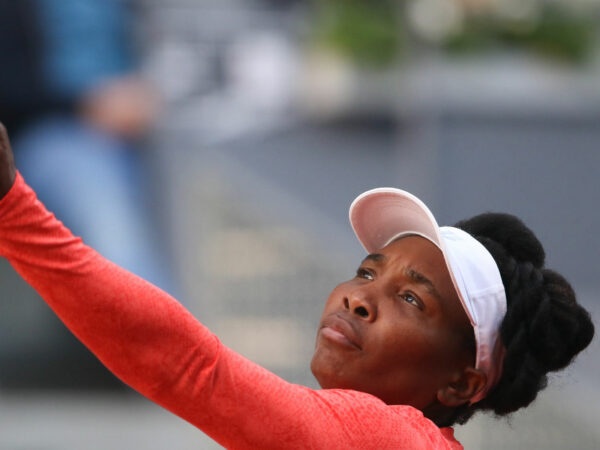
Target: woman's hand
{"points": [[7, 163]]}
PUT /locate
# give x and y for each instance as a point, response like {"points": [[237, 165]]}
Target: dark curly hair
{"points": [[544, 327]]}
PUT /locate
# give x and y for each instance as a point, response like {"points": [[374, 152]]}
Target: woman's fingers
{"points": [[7, 163]]}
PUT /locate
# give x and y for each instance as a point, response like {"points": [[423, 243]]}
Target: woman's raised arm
{"points": [[144, 336]]}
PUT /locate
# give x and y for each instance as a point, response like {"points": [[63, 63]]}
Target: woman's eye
{"points": [[412, 299], [364, 273]]}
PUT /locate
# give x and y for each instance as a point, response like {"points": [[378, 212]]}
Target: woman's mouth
{"points": [[340, 331]]}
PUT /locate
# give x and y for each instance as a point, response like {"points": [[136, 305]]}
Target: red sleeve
{"points": [[157, 347]]}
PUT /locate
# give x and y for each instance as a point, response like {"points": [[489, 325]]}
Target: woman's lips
{"points": [[339, 330]]}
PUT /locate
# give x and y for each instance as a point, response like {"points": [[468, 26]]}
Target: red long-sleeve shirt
{"points": [[157, 347]]}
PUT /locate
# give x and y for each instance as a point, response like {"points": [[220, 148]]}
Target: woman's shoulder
{"points": [[385, 426]]}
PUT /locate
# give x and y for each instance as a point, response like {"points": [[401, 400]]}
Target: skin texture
{"points": [[397, 330]]}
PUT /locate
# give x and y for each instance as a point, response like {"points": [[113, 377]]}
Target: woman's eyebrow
{"points": [[416, 276], [421, 279], [375, 257]]}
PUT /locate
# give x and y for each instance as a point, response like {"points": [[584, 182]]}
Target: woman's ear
{"points": [[464, 387]]}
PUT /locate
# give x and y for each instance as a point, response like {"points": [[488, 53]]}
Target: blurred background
{"points": [[214, 146]]}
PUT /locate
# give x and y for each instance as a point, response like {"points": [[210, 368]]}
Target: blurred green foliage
{"points": [[373, 33], [557, 34], [367, 32]]}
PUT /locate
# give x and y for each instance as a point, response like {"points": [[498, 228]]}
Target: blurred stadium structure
{"points": [[278, 114]]}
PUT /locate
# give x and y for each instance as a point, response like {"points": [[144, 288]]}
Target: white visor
{"points": [[381, 215]]}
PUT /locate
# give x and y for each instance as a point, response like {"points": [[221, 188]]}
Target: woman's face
{"points": [[397, 329]]}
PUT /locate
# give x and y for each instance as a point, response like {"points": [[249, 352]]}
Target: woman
{"points": [[438, 323]]}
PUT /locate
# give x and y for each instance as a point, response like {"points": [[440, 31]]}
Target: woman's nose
{"points": [[357, 302]]}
